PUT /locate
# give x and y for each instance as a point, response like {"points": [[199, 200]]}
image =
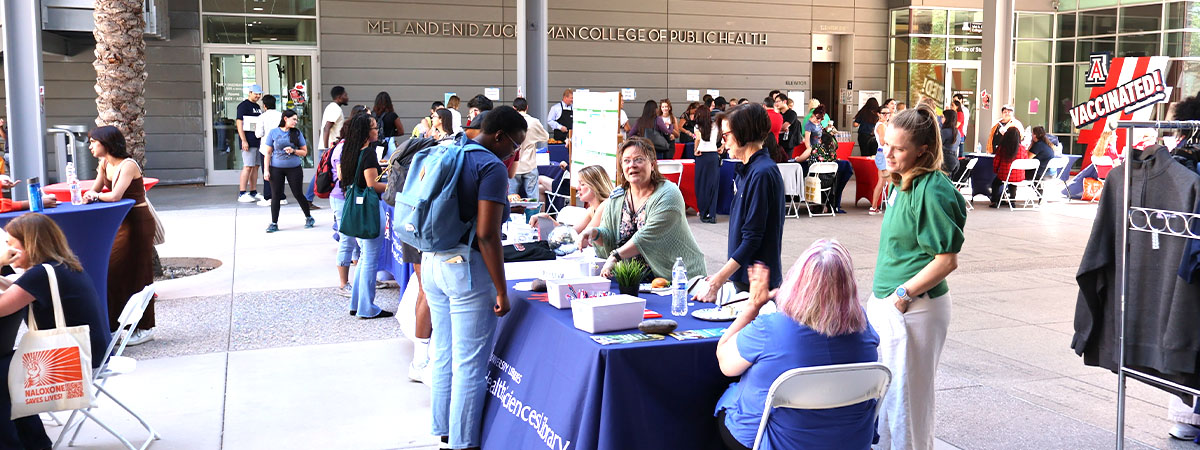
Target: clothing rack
{"points": [[1178, 223]]}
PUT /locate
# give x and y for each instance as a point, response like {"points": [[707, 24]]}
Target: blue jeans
{"points": [[347, 250], [528, 180], [460, 296], [362, 293]]}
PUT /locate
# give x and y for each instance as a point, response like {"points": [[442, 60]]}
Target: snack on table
{"points": [[657, 326], [660, 283], [539, 285]]}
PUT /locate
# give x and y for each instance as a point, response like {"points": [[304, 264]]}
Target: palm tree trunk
{"points": [[121, 71]]}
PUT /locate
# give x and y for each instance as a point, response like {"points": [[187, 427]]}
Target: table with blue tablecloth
{"points": [[558, 152], [90, 230], [550, 384]]}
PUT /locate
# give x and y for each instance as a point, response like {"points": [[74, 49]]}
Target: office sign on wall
{"points": [[568, 32]]}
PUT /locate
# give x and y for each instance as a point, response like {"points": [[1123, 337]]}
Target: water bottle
{"points": [[35, 194], [978, 148], [679, 281], [73, 183]]}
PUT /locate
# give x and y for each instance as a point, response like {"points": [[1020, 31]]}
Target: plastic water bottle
{"points": [[978, 148], [35, 194], [73, 183], [679, 281]]}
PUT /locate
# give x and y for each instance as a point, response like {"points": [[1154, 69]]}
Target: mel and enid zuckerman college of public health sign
{"points": [[1121, 86], [567, 32]]}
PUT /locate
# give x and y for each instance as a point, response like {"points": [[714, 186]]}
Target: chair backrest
{"points": [[670, 167], [791, 178], [972, 162], [572, 215], [129, 318], [822, 167], [966, 173], [1058, 163], [1102, 160], [826, 387], [1025, 164]]}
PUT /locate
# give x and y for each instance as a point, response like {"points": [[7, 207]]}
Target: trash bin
{"points": [[85, 164]]}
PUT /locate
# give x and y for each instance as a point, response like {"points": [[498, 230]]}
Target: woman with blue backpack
{"points": [[359, 170]]}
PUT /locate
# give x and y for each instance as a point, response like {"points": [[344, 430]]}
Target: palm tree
{"points": [[121, 70]]}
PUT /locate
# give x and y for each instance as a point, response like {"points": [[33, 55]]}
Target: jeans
{"points": [[528, 180], [460, 296], [347, 250], [362, 293]]}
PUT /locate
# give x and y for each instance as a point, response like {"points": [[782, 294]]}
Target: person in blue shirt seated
{"points": [[34, 239], [819, 323]]}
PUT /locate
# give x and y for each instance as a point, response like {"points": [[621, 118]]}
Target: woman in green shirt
{"points": [[643, 219], [920, 238]]}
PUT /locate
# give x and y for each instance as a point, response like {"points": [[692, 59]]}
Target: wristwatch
{"points": [[902, 294], [614, 255]]}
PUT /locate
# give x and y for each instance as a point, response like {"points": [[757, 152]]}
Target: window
{"points": [[1183, 45], [899, 49], [1064, 79], [900, 80], [259, 30], [928, 21], [278, 7], [963, 23], [1096, 23], [1136, 19], [926, 80], [1033, 51], [1183, 15], [1032, 85], [1085, 47], [1138, 45], [1066, 51], [1189, 78], [1038, 26], [963, 49], [1066, 25], [1084, 4], [926, 48], [900, 21]]}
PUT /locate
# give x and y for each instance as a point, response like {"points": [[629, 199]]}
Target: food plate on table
{"points": [[716, 314], [523, 286]]}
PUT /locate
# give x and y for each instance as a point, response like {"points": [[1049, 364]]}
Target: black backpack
{"points": [[398, 163]]}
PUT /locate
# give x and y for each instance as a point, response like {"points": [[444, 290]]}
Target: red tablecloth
{"points": [[687, 183], [63, 192], [866, 174]]}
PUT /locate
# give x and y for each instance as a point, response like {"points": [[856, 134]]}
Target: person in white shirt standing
{"points": [[268, 120], [527, 171], [247, 119], [331, 127], [560, 116]]}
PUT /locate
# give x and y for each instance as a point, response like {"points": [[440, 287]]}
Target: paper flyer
{"points": [[627, 338], [703, 333]]}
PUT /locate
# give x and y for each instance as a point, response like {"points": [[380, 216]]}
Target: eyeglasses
{"points": [[633, 162], [510, 139], [726, 134]]}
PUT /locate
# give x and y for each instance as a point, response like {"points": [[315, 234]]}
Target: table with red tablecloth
{"points": [[62, 191]]}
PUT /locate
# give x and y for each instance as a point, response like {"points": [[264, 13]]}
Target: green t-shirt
{"points": [[925, 221]]}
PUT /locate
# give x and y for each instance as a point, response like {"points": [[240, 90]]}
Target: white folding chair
{"points": [[572, 215], [964, 183], [793, 187], [114, 364], [825, 387], [672, 170], [556, 192], [1032, 199], [1056, 166], [825, 192]]}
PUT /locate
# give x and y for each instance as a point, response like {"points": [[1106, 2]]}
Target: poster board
{"points": [[863, 96], [594, 133]]}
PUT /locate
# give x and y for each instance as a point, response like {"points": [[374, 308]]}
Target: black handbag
{"points": [[660, 142]]}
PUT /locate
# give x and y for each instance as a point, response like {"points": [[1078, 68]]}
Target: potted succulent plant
{"points": [[628, 275]]}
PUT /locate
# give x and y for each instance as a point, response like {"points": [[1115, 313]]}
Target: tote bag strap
{"points": [[59, 320]]}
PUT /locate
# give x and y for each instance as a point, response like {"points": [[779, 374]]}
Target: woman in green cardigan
{"points": [[644, 219]]}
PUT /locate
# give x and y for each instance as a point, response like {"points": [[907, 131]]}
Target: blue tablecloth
{"points": [[389, 259], [551, 385], [90, 230], [558, 152]]}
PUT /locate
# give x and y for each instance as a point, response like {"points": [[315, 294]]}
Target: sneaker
{"points": [[140, 337], [344, 291], [245, 198], [416, 372], [385, 285], [382, 315], [309, 222], [283, 202], [312, 206], [264, 203], [259, 197], [874, 211], [272, 228], [1178, 431]]}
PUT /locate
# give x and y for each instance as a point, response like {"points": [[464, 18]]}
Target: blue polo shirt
{"points": [[756, 218]]}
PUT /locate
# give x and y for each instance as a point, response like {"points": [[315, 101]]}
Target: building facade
{"points": [[420, 52]]}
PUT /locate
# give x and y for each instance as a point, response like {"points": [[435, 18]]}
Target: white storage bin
{"points": [[557, 289], [611, 313]]}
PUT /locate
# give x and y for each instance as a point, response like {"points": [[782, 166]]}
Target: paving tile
{"points": [[1035, 345], [968, 318], [306, 317]]}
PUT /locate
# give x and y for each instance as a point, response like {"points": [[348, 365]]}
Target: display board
{"points": [[594, 133]]}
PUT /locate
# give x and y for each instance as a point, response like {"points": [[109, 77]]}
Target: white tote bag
{"points": [[52, 369]]}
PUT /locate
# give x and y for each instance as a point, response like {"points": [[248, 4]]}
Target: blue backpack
{"points": [[427, 213]]}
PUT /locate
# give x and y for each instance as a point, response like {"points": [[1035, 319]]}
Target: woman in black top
{"points": [[688, 119], [865, 121], [385, 115], [34, 240], [949, 133], [1042, 148], [648, 124]]}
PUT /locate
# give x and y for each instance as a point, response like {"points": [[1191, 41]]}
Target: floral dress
{"points": [[631, 220]]}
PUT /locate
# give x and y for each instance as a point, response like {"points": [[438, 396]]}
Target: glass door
{"points": [[964, 80], [286, 74]]}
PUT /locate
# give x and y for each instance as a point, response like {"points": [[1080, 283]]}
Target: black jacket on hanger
{"points": [[1162, 309]]}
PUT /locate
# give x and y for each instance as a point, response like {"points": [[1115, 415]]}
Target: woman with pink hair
{"points": [[820, 322]]}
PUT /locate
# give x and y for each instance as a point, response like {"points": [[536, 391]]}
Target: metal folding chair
{"points": [[672, 170], [561, 192], [825, 193], [1021, 165], [793, 187], [964, 183], [114, 364], [825, 387], [1056, 165]]}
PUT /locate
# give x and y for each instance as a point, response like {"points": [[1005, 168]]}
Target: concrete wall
{"points": [[418, 70], [174, 128]]}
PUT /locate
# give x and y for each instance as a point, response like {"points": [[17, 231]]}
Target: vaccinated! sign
{"points": [[1140, 83]]}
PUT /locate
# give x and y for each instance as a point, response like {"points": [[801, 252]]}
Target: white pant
{"points": [[910, 345]]}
